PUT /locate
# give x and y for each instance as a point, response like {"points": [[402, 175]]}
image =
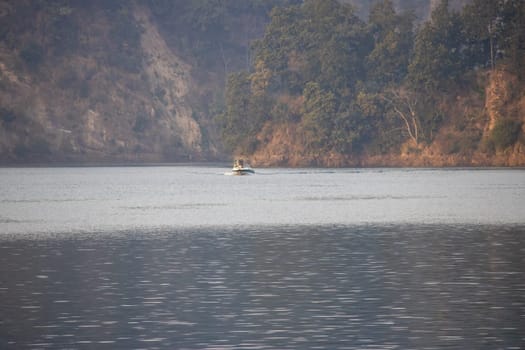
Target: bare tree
{"points": [[404, 103]]}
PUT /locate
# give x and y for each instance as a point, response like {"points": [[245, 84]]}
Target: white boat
{"points": [[241, 168]]}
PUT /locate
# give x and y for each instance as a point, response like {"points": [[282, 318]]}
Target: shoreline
{"points": [[260, 166]]}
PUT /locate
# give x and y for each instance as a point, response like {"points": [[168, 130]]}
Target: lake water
{"points": [[186, 258]]}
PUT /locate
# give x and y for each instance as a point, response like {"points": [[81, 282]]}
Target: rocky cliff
{"points": [[94, 82]]}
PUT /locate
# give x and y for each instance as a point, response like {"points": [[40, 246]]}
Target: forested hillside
{"points": [[289, 82], [328, 88]]}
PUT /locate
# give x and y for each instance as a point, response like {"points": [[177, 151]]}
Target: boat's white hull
{"points": [[240, 172], [243, 172], [240, 168]]}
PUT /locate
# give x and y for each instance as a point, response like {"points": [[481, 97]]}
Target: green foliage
{"points": [[512, 36], [495, 31], [235, 122], [437, 59], [245, 113], [320, 41], [463, 144], [478, 19], [319, 116], [505, 133], [321, 52], [316, 52], [388, 61], [371, 86]]}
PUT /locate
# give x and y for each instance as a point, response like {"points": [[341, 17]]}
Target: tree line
{"points": [[354, 85]]}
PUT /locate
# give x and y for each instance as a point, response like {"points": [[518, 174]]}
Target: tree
{"points": [[393, 41], [235, 120], [247, 106], [337, 43], [505, 133], [415, 110], [512, 39], [320, 108], [321, 41], [481, 26], [404, 105], [495, 30], [437, 59]]}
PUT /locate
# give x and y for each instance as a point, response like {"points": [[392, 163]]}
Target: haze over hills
{"points": [[144, 81], [421, 8]]}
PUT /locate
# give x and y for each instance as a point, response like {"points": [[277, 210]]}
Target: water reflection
{"points": [[322, 287]]}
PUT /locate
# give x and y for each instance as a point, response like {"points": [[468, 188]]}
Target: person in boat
{"points": [[239, 163]]}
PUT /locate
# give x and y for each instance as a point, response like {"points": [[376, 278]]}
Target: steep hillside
{"points": [[90, 82], [312, 82], [330, 89]]}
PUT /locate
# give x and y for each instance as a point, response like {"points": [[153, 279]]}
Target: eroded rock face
{"points": [[168, 76], [84, 106]]}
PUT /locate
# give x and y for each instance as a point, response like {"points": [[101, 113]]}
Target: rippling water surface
{"points": [[186, 258]]}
